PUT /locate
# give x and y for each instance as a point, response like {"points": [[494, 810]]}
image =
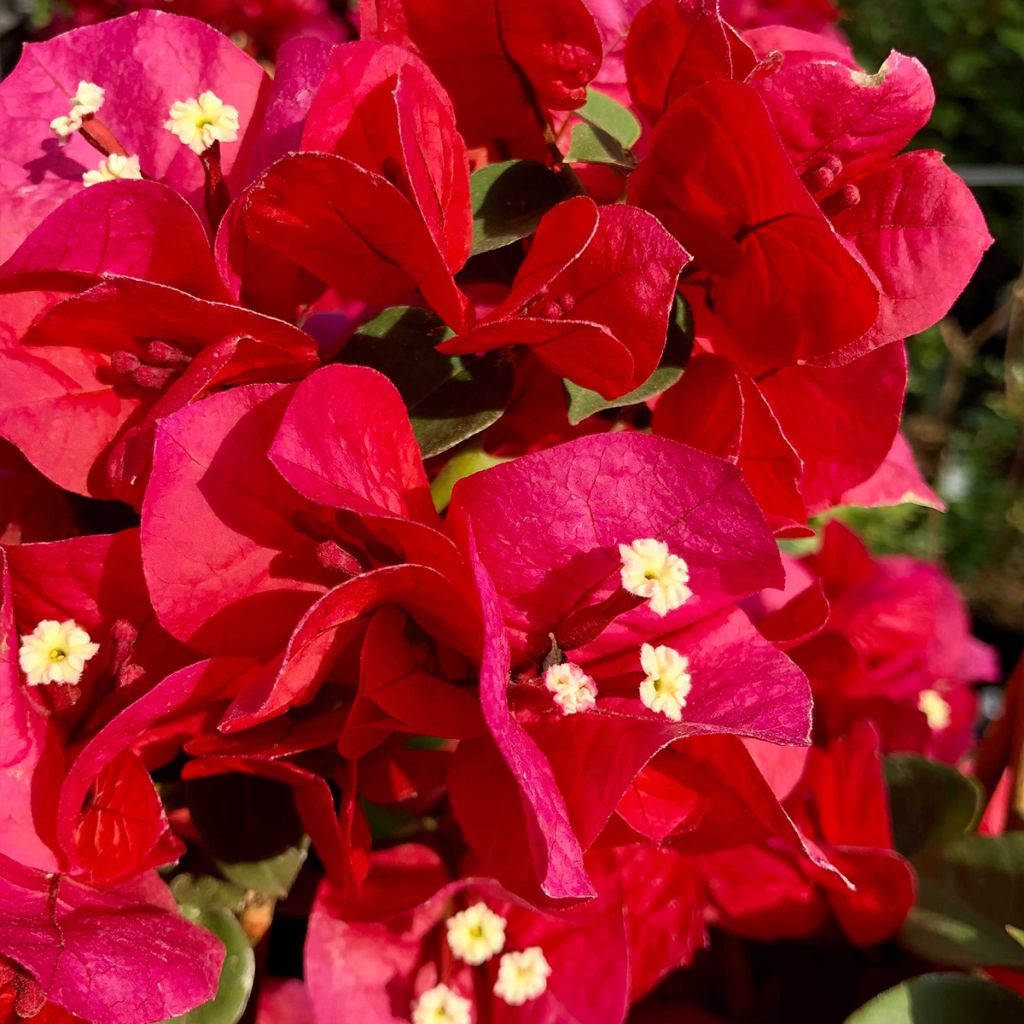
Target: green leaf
{"points": [[509, 200], [207, 892], [583, 403], [607, 134], [611, 118], [462, 464], [590, 145], [449, 398], [273, 876], [943, 999], [945, 930], [987, 872], [968, 897], [931, 804], [237, 974]]}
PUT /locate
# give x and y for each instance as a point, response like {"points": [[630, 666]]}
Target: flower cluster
{"points": [[395, 452]]}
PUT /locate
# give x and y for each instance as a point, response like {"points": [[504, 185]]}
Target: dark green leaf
{"points": [[945, 930], [611, 118], [449, 398], [968, 896], [583, 403], [509, 200], [943, 999], [273, 876], [931, 804], [236, 976], [988, 873], [590, 145]]}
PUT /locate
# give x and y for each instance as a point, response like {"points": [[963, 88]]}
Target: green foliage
{"points": [[237, 974], [931, 803], [942, 999], [607, 135], [509, 200], [450, 398], [583, 402], [970, 896], [273, 876]]}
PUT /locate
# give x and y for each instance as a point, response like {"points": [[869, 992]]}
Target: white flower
{"points": [[668, 683], [440, 1005], [574, 690], [114, 168], [55, 652], [650, 570], [199, 123], [476, 934], [935, 708], [522, 976]]}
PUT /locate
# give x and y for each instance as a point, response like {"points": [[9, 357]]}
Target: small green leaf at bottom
{"points": [[943, 999]]}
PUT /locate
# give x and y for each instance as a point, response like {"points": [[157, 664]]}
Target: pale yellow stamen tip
{"points": [[650, 570], [522, 976], [55, 652], [574, 690], [199, 123], [935, 708], [440, 1005], [87, 100], [114, 168], [667, 684], [476, 934]]}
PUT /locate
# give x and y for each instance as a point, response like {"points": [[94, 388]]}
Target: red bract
{"points": [[505, 64], [841, 802], [275, 545], [103, 339], [811, 15], [675, 45], [261, 26], [39, 174], [546, 528], [388, 211], [896, 649], [377, 954], [910, 220], [766, 260], [591, 299], [86, 942]]}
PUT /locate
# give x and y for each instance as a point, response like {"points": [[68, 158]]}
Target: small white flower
{"points": [[522, 976], [574, 690], [88, 99], [114, 168], [936, 709], [476, 934], [199, 123], [668, 683], [55, 652], [650, 570], [440, 1005]]}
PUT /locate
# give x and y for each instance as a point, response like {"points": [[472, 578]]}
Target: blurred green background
{"points": [[965, 408]]}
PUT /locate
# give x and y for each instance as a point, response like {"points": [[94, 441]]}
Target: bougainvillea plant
{"points": [[395, 447]]}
